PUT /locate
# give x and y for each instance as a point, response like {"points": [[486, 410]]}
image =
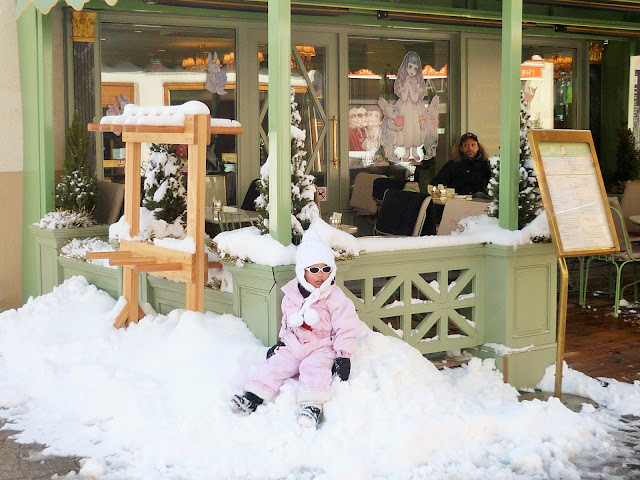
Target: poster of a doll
{"points": [[409, 127]]}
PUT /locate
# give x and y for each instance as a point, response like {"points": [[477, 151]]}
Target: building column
{"points": [[510, 113], [280, 120], [83, 31]]}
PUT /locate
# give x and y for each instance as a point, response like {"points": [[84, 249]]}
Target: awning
{"points": [[45, 6]]}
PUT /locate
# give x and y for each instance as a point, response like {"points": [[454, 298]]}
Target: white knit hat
{"points": [[312, 251]]}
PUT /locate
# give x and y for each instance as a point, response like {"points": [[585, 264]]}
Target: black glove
{"points": [[342, 368], [273, 348]]}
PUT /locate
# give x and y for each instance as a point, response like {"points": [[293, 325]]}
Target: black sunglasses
{"points": [[468, 135], [314, 270]]}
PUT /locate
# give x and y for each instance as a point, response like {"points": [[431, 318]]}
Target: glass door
{"points": [[314, 81]]}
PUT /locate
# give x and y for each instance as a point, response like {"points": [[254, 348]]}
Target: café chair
{"points": [[630, 205], [250, 197], [362, 201], [232, 218], [109, 203], [626, 256], [381, 185], [402, 213], [456, 209]]}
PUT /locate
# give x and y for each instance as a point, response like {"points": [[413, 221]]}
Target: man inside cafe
{"points": [[468, 171]]}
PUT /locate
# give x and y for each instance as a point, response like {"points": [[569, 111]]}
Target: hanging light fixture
{"points": [[199, 62]]}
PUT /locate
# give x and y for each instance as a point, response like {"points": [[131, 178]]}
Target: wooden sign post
{"points": [[577, 208]]}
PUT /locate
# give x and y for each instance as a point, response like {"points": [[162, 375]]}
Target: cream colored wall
{"points": [[10, 162]]}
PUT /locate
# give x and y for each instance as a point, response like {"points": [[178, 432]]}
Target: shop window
{"points": [[166, 65], [547, 79], [389, 134]]}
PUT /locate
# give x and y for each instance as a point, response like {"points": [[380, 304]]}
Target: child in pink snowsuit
{"points": [[317, 338]]}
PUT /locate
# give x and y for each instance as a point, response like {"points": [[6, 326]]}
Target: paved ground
{"points": [[25, 462]]}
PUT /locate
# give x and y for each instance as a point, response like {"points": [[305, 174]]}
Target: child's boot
{"points": [[245, 404], [309, 414]]}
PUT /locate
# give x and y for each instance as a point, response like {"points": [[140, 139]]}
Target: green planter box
{"points": [[165, 295], [107, 279], [521, 306], [257, 296], [48, 245]]}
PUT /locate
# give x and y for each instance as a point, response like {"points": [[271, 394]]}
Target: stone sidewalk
{"points": [[25, 462]]}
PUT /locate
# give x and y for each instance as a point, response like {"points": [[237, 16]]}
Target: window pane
{"points": [[153, 65], [547, 83], [394, 141]]}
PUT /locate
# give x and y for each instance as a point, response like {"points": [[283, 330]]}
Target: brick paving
{"points": [[26, 462]]}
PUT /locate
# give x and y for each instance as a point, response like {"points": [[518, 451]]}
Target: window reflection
{"points": [[547, 83], [165, 65]]}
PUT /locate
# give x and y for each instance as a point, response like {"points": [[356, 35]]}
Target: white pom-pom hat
{"points": [[312, 251]]}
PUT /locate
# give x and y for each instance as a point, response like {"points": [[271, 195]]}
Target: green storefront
{"points": [[340, 58]]}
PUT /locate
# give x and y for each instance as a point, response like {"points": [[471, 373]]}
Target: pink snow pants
{"points": [[312, 360]]}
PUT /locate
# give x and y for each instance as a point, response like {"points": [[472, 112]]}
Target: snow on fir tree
{"points": [[164, 192], [303, 188], [76, 191], [529, 199]]}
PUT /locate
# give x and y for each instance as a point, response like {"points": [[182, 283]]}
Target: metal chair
{"points": [[232, 218], [630, 205], [618, 260]]}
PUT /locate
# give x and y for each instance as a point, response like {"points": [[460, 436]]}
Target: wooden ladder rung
{"points": [[157, 267], [214, 265], [129, 261], [109, 255]]}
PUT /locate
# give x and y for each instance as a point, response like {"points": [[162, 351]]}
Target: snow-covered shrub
{"points": [[164, 191], [529, 199], [66, 219], [76, 191], [303, 189]]}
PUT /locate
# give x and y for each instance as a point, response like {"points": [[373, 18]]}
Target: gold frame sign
{"points": [[573, 193], [577, 208]]}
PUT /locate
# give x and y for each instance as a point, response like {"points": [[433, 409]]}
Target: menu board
{"points": [[573, 192]]}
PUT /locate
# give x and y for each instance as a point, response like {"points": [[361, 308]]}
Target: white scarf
{"points": [[306, 314]]}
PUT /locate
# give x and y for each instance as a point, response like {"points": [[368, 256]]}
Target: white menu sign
{"points": [[573, 192], [577, 202]]}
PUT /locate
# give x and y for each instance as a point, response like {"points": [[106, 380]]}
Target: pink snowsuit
{"points": [[310, 353]]}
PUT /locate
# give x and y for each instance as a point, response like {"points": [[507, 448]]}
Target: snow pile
{"points": [[159, 116], [150, 228], [249, 245], [622, 397], [78, 248], [152, 402], [66, 219], [224, 122]]}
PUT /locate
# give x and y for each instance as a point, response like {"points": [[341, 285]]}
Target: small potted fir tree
{"points": [[73, 217]]}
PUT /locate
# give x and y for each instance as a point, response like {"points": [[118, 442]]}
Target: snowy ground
{"points": [[151, 402]]}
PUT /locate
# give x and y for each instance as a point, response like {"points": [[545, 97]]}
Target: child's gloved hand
{"points": [[273, 348], [342, 368]]}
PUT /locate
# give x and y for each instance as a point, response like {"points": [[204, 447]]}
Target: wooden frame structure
{"points": [[136, 257]]}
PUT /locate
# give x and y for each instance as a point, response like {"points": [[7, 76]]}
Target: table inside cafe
{"points": [[440, 195]]}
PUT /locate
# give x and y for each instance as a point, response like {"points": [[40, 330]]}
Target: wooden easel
{"points": [[136, 257]]}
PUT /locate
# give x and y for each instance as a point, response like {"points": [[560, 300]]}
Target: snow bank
{"points": [[151, 402]]}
